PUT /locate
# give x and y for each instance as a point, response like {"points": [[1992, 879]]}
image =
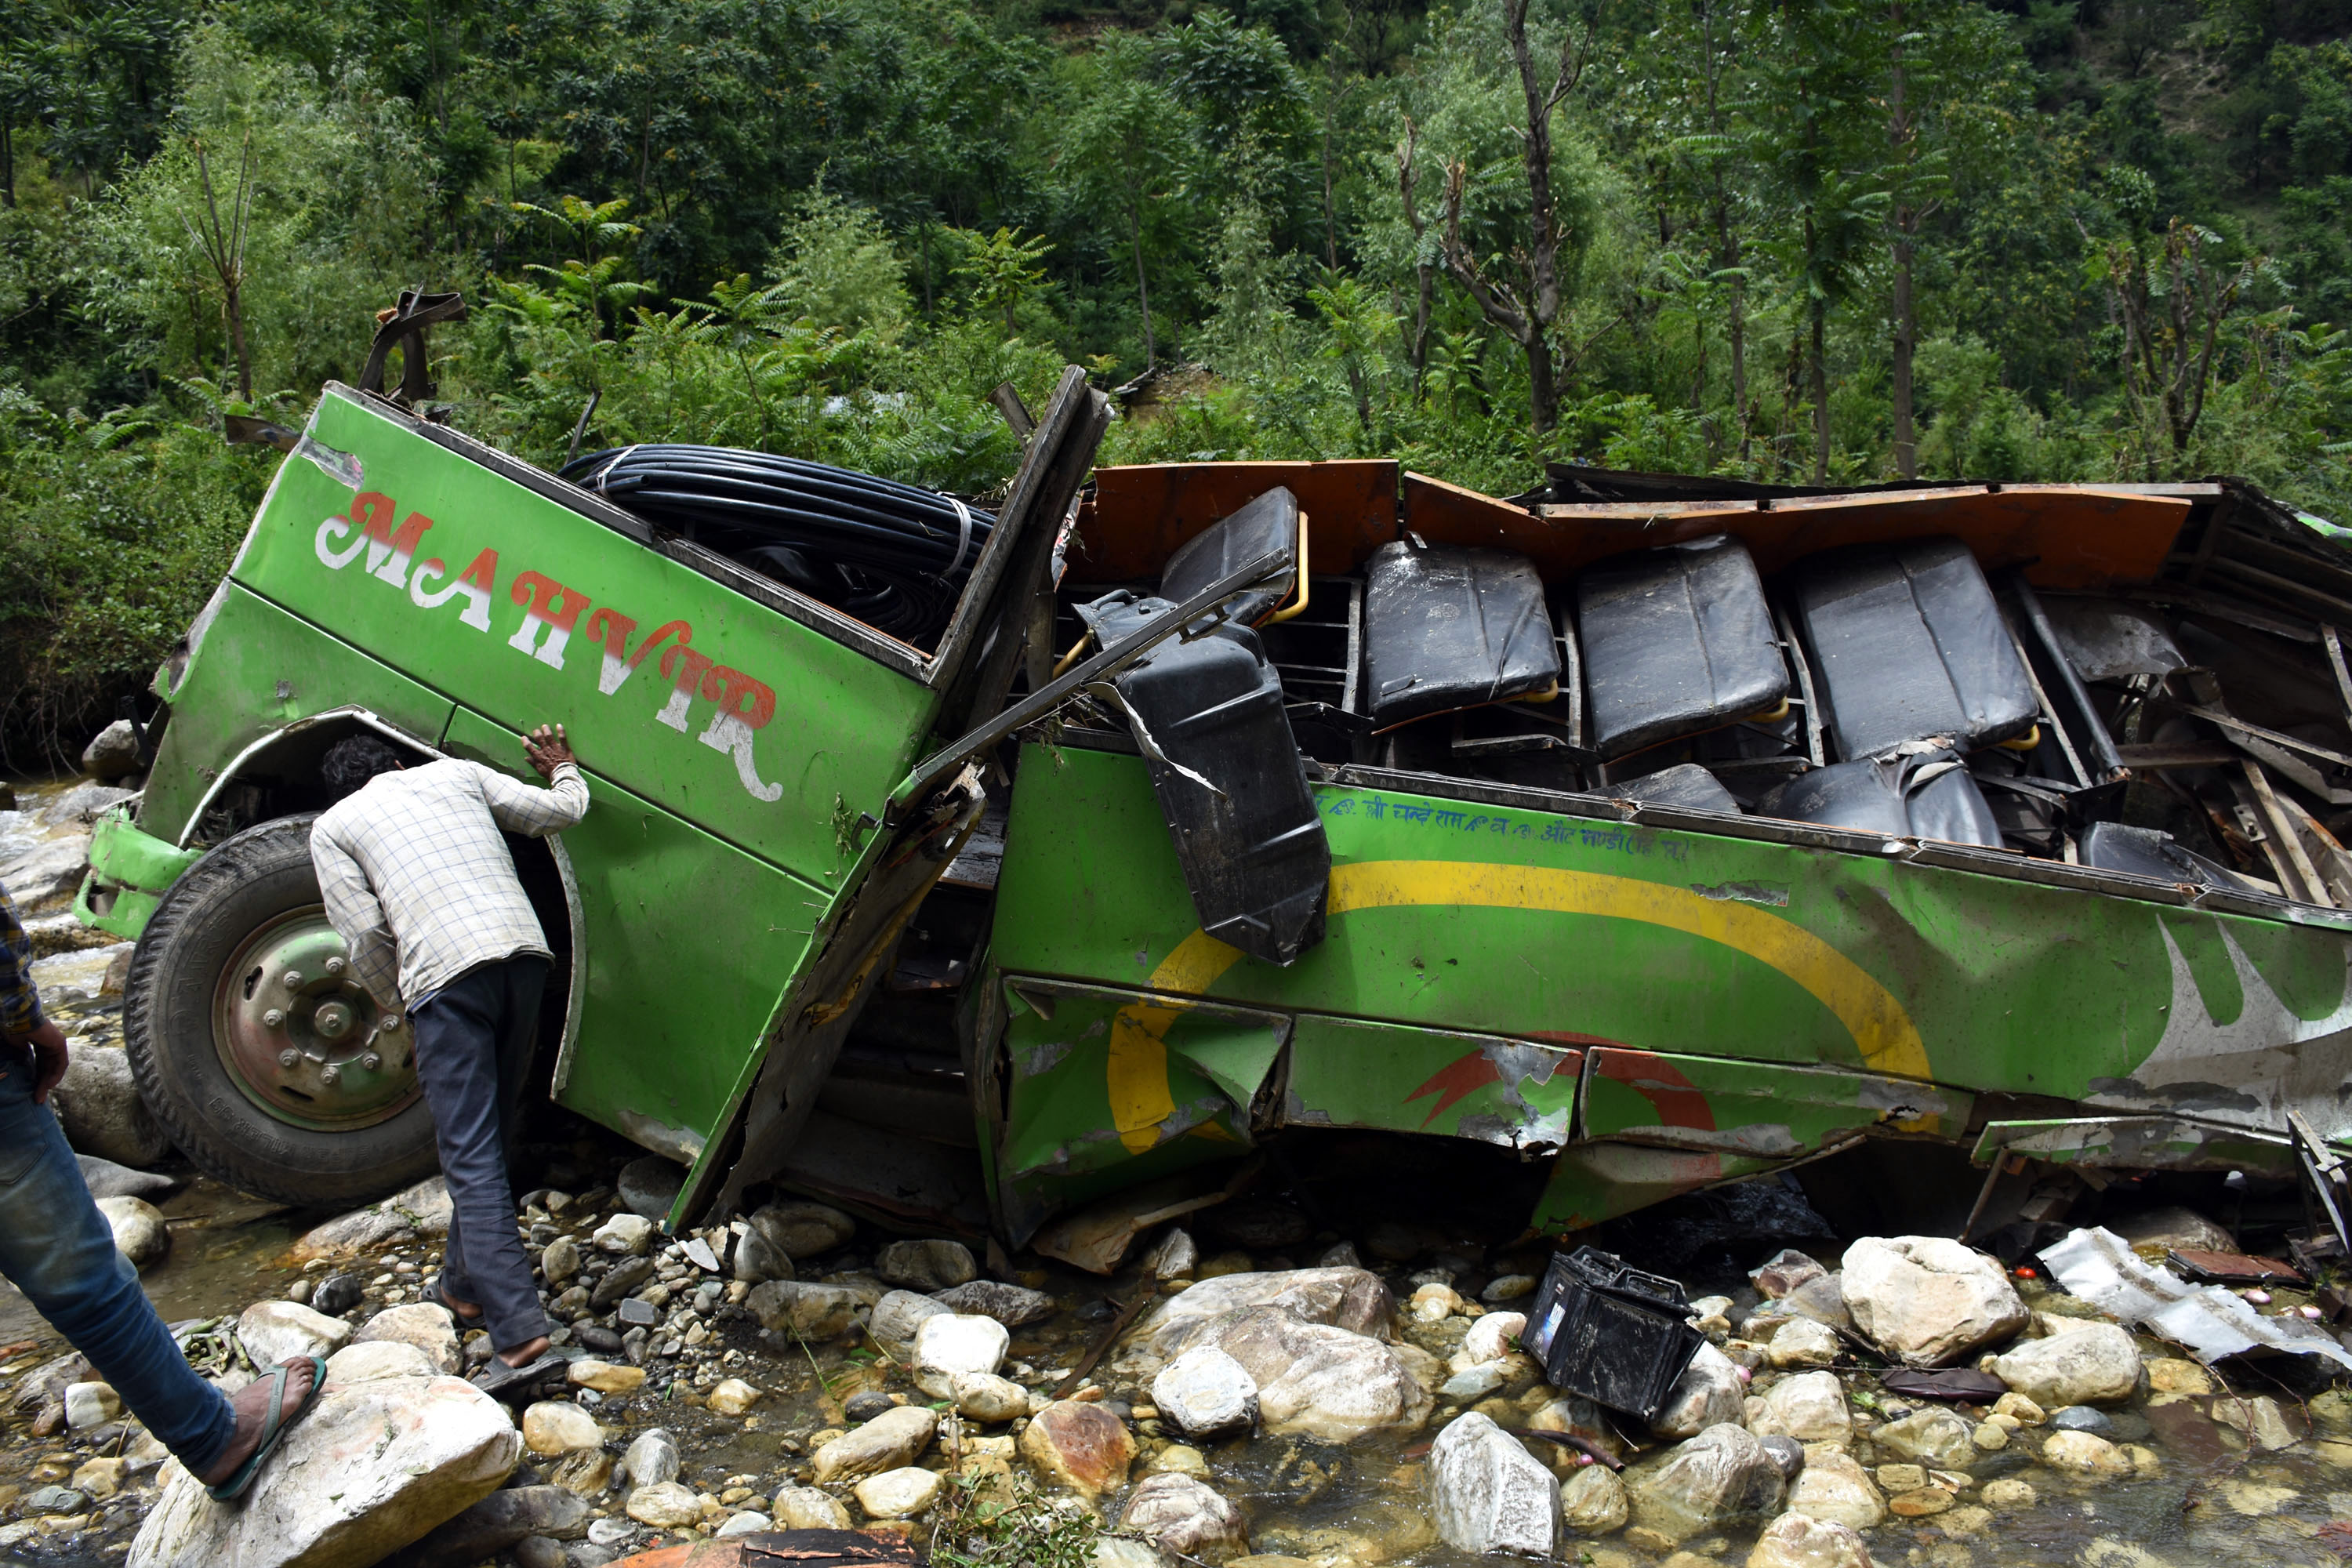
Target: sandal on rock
{"points": [[498, 1379], [273, 1425]]}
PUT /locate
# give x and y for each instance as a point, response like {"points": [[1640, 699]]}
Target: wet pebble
{"points": [[2082, 1418], [336, 1294], [863, 1407]]}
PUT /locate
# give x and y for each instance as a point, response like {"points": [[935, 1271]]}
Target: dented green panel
{"points": [[1353, 1072]]}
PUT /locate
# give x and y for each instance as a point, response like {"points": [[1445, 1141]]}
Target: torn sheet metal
{"points": [[1766, 1109], [1351, 1072], [2101, 1267], [2139, 1144]]}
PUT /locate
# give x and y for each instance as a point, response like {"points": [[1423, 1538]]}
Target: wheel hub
{"points": [[301, 1037]]}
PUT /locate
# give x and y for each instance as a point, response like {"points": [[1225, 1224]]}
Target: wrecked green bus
{"points": [[1635, 836]]}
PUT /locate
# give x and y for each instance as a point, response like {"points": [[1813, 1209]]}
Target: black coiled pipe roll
{"points": [[893, 555]]}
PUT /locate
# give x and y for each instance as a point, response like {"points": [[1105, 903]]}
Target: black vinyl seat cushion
{"points": [[1908, 643], [1926, 795], [1447, 628], [1266, 526], [1675, 641], [1686, 784], [2151, 852]]}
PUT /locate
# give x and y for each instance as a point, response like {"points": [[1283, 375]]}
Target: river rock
{"points": [[1937, 1438], [428, 1325], [987, 1398], [558, 1261], [1178, 1513], [98, 1101], [1783, 1272], [1079, 1444], [623, 1234], [2086, 1454], [1927, 1300], [2097, 1363], [140, 1234], [897, 1494], [1319, 1380], [1177, 1256], [925, 1265], [747, 1523], [760, 1254], [728, 1397], [665, 1505], [891, 1439], [897, 1315], [2261, 1419], [2009, 1493], [651, 1457], [112, 752], [558, 1427], [2164, 1229], [1012, 1305], [953, 1344], [91, 1405], [1709, 1394], [1810, 1408], [809, 1311], [1350, 1299], [271, 1332], [422, 1210], [586, 1471], [105, 1179], [604, 1376], [806, 1508], [1493, 1336], [1802, 1541], [804, 1229], [1592, 1500], [1802, 1342], [47, 872], [497, 1522], [2082, 1418], [374, 1467], [1833, 1487], [1719, 1477], [648, 1185], [619, 1281], [1786, 1451], [1205, 1393], [1487, 1493]]}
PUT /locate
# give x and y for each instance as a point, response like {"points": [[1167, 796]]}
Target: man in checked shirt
{"points": [[418, 880]]}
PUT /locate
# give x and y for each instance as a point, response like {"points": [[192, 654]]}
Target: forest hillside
{"points": [[1817, 240]]}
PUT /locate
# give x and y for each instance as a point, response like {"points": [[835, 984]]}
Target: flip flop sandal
{"points": [[498, 1379], [457, 1309], [273, 1425]]}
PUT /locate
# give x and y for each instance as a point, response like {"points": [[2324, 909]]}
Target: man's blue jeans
{"points": [[58, 1250]]}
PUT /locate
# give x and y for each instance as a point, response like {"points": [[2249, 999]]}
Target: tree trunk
{"points": [[1543, 395], [1906, 224], [232, 294], [7, 164], [1820, 375], [1142, 292], [1419, 352]]}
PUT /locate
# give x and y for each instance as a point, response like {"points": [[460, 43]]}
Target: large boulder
{"points": [[495, 1523], [1834, 1487], [892, 1439], [1709, 1394], [951, 1344], [1487, 1493], [1319, 1380], [2097, 1363], [372, 1466], [1810, 1408], [1801, 1541], [272, 1331], [1927, 1300], [112, 752], [1722, 1476], [428, 1325], [100, 1105], [1178, 1513], [105, 1179], [1012, 1305], [1205, 1393], [1350, 1299], [422, 1210], [47, 872], [1079, 1444]]}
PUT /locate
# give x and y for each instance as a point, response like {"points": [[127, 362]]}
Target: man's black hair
{"points": [[352, 761]]}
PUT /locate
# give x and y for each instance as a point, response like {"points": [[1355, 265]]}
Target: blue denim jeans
{"points": [[58, 1250]]}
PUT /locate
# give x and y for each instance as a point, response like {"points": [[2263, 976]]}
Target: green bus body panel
{"points": [[687, 942], [530, 613], [260, 670], [1800, 991], [1347, 1072]]}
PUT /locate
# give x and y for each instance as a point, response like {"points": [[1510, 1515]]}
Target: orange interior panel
{"points": [[1140, 514], [2067, 536]]}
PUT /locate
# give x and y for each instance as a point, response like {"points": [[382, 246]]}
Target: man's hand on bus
{"points": [[548, 749]]}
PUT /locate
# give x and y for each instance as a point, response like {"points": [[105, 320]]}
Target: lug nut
{"points": [[334, 966], [371, 1061], [331, 1073], [289, 1057], [274, 1017], [291, 980]]}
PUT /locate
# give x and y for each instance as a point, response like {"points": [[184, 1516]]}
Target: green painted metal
{"points": [[129, 873], [2138, 1142], [1348, 1072], [1740, 1001]]}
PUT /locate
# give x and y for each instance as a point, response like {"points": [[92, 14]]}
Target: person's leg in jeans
{"points": [[468, 1038], [58, 1250]]}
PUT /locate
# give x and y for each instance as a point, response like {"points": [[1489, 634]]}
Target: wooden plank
{"points": [[2285, 846], [2155, 759]]}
